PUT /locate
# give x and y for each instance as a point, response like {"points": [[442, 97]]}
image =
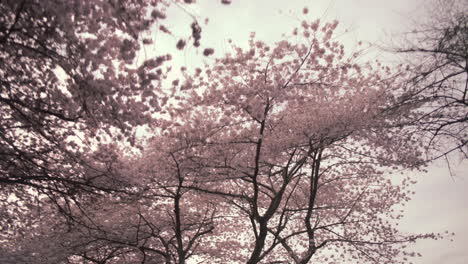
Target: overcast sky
{"points": [[440, 200]]}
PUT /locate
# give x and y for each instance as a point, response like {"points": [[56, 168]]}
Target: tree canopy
{"points": [[276, 153]]}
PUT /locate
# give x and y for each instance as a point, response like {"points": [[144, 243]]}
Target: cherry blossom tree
{"points": [[71, 81], [59, 87], [296, 141]]}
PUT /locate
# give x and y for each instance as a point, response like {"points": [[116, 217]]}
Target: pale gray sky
{"points": [[440, 202]]}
